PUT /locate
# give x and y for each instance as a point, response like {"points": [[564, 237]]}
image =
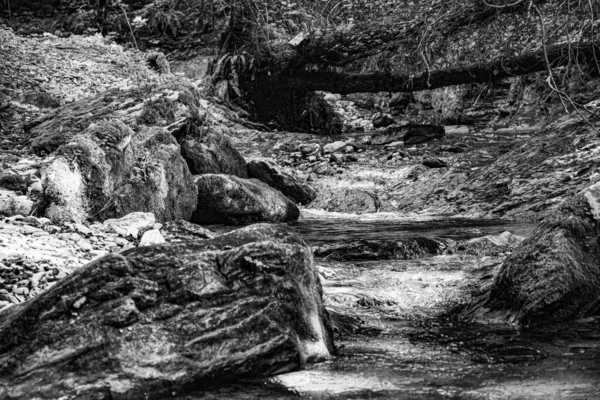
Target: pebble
{"points": [[85, 245]]}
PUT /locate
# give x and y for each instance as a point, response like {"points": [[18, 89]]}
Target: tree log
{"points": [[344, 83]]}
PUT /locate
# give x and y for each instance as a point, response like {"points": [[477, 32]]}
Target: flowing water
{"points": [[404, 349]]}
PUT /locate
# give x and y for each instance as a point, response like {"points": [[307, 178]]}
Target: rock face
{"points": [[108, 172], [270, 173], [154, 322], [226, 199], [554, 275], [410, 134], [207, 151]]}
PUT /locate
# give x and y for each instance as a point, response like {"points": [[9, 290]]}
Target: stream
{"points": [[405, 349]]}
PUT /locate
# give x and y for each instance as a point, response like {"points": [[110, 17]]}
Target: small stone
{"points": [[131, 224], [28, 230], [334, 147], [310, 149], [23, 291], [31, 220], [153, 236], [121, 241], [158, 226], [79, 302], [85, 245], [82, 229]]}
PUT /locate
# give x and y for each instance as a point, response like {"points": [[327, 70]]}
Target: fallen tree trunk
{"points": [[343, 46], [344, 83]]}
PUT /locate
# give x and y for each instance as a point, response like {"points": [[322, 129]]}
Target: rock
{"points": [[433, 162], [323, 169], [395, 145], [93, 178], [154, 321], [410, 134], [334, 147], [210, 152], [111, 160], [131, 224], [153, 236], [227, 199], [490, 245], [12, 204], [406, 249], [382, 121], [554, 275], [13, 182], [183, 230], [401, 100], [82, 229], [310, 149], [292, 187], [416, 134]]}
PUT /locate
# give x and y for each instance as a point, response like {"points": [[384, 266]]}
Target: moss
{"points": [[156, 111]]}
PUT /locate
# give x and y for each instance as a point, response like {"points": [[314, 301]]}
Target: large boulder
{"points": [[554, 275], [227, 199], [158, 321], [209, 151], [114, 153], [108, 171], [270, 173]]}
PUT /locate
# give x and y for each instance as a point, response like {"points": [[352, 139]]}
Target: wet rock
{"points": [[226, 199], [184, 230], [334, 147], [293, 188], [131, 224], [210, 152], [554, 275], [433, 162], [380, 250], [382, 121], [153, 321]]}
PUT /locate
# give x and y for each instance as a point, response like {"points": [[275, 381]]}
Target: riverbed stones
{"points": [[162, 320], [410, 134], [227, 199], [554, 275], [380, 250]]}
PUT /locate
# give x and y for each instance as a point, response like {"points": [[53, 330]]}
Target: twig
{"points": [[128, 24]]}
